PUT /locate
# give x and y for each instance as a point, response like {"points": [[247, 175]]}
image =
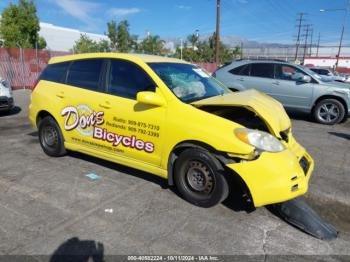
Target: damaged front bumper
{"points": [[276, 177]]}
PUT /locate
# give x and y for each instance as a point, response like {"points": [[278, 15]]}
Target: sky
{"points": [[256, 20]]}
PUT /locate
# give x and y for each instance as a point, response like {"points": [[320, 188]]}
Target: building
{"points": [[63, 38]]}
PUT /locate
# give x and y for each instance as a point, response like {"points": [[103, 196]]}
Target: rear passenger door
{"points": [[79, 100], [261, 77]]}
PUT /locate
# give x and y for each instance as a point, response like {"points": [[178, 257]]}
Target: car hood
{"points": [[270, 110], [337, 84]]}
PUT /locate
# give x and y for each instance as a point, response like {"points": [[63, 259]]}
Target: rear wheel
{"points": [[199, 178], [50, 137], [329, 112]]}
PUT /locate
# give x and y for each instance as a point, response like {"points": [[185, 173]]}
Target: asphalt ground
{"points": [[46, 202]]}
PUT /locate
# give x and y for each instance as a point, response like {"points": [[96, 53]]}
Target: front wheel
{"points": [[199, 179], [50, 137], [329, 112]]}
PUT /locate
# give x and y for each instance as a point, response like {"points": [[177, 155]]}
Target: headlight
{"points": [[260, 140]]}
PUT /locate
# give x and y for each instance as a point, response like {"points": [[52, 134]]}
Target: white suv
{"points": [[6, 98]]}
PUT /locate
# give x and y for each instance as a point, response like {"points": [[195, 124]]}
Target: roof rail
{"points": [[261, 59]]}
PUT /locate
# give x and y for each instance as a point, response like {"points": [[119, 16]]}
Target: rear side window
{"points": [[126, 79], [241, 70], [262, 70], [85, 73], [55, 72]]}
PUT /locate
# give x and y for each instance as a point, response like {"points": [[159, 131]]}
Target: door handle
{"points": [[276, 83], [241, 79], [105, 105], [60, 94]]}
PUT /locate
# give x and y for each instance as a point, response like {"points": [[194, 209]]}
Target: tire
{"points": [[50, 137], [329, 112], [199, 178]]}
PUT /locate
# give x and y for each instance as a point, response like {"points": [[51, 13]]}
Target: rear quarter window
{"points": [[55, 72], [241, 70]]}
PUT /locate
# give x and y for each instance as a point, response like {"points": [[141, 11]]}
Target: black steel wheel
{"points": [[50, 137], [199, 178]]}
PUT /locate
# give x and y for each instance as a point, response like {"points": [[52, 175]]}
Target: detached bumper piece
{"points": [[6, 102], [300, 215]]}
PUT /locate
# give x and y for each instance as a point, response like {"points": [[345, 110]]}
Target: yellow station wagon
{"points": [[170, 118]]}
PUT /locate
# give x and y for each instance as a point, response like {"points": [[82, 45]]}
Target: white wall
{"points": [[62, 38]]}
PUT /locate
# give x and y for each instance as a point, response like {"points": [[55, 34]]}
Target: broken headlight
{"points": [[261, 140]]}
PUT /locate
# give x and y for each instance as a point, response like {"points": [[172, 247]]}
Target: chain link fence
{"points": [[21, 67]]}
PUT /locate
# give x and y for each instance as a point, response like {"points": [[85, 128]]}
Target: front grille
{"points": [[304, 163]]}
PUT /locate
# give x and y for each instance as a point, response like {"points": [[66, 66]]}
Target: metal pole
{"points": [[318, 43], [340, 45], [298, 37], [217, 45]]}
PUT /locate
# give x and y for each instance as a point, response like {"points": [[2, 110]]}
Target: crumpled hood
{"points": [[266, 107]]}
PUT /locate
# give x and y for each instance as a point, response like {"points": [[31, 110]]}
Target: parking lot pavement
{"points": [[45, 202]]}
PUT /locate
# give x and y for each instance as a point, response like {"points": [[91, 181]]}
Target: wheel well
{"points": [[341, 100], [41, 116], [230, 175]]}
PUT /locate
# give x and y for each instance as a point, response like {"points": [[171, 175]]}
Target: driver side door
{"points": [[290, 90], [135, 130]]}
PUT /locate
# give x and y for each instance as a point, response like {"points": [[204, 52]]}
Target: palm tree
{"points": [[153, 45]]}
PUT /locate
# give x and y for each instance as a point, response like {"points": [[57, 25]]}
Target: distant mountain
{"points": [[231, 41]]}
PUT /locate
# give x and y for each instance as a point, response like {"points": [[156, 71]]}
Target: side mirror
{"points": [[150, 98], [306, 79]]}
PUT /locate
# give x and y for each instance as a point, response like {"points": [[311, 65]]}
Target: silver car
{"points": [[296, 87], [6, 97], [328, 75]]}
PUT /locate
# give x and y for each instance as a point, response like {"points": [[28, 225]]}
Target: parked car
{"points": [[6, 97], [328, 75], [296, 87], [171, 119]]}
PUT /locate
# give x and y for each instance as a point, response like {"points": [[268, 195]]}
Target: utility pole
{"points": [[299, 20], [312, 34], [217, 41], [340, 44], [306, 35], [318, 43]]}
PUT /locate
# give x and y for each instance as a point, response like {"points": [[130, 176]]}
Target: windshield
{"points": [[188, 82]]}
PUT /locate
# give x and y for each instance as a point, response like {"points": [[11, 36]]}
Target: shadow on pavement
{"points": [[76, 250], [300, 116], [14, 111], [342, 135], [234, 201], [123, 169]]}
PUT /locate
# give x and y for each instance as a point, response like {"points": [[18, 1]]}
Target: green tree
{"points": [[193, 39], [112, 34], [153, 45], [86, 45], [124, 38], [19, 25]]}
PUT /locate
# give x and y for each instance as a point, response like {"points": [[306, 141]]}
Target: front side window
{"points": [[126, 79], [188, 82], [286, 72], [85, 73], [265, 70]]}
